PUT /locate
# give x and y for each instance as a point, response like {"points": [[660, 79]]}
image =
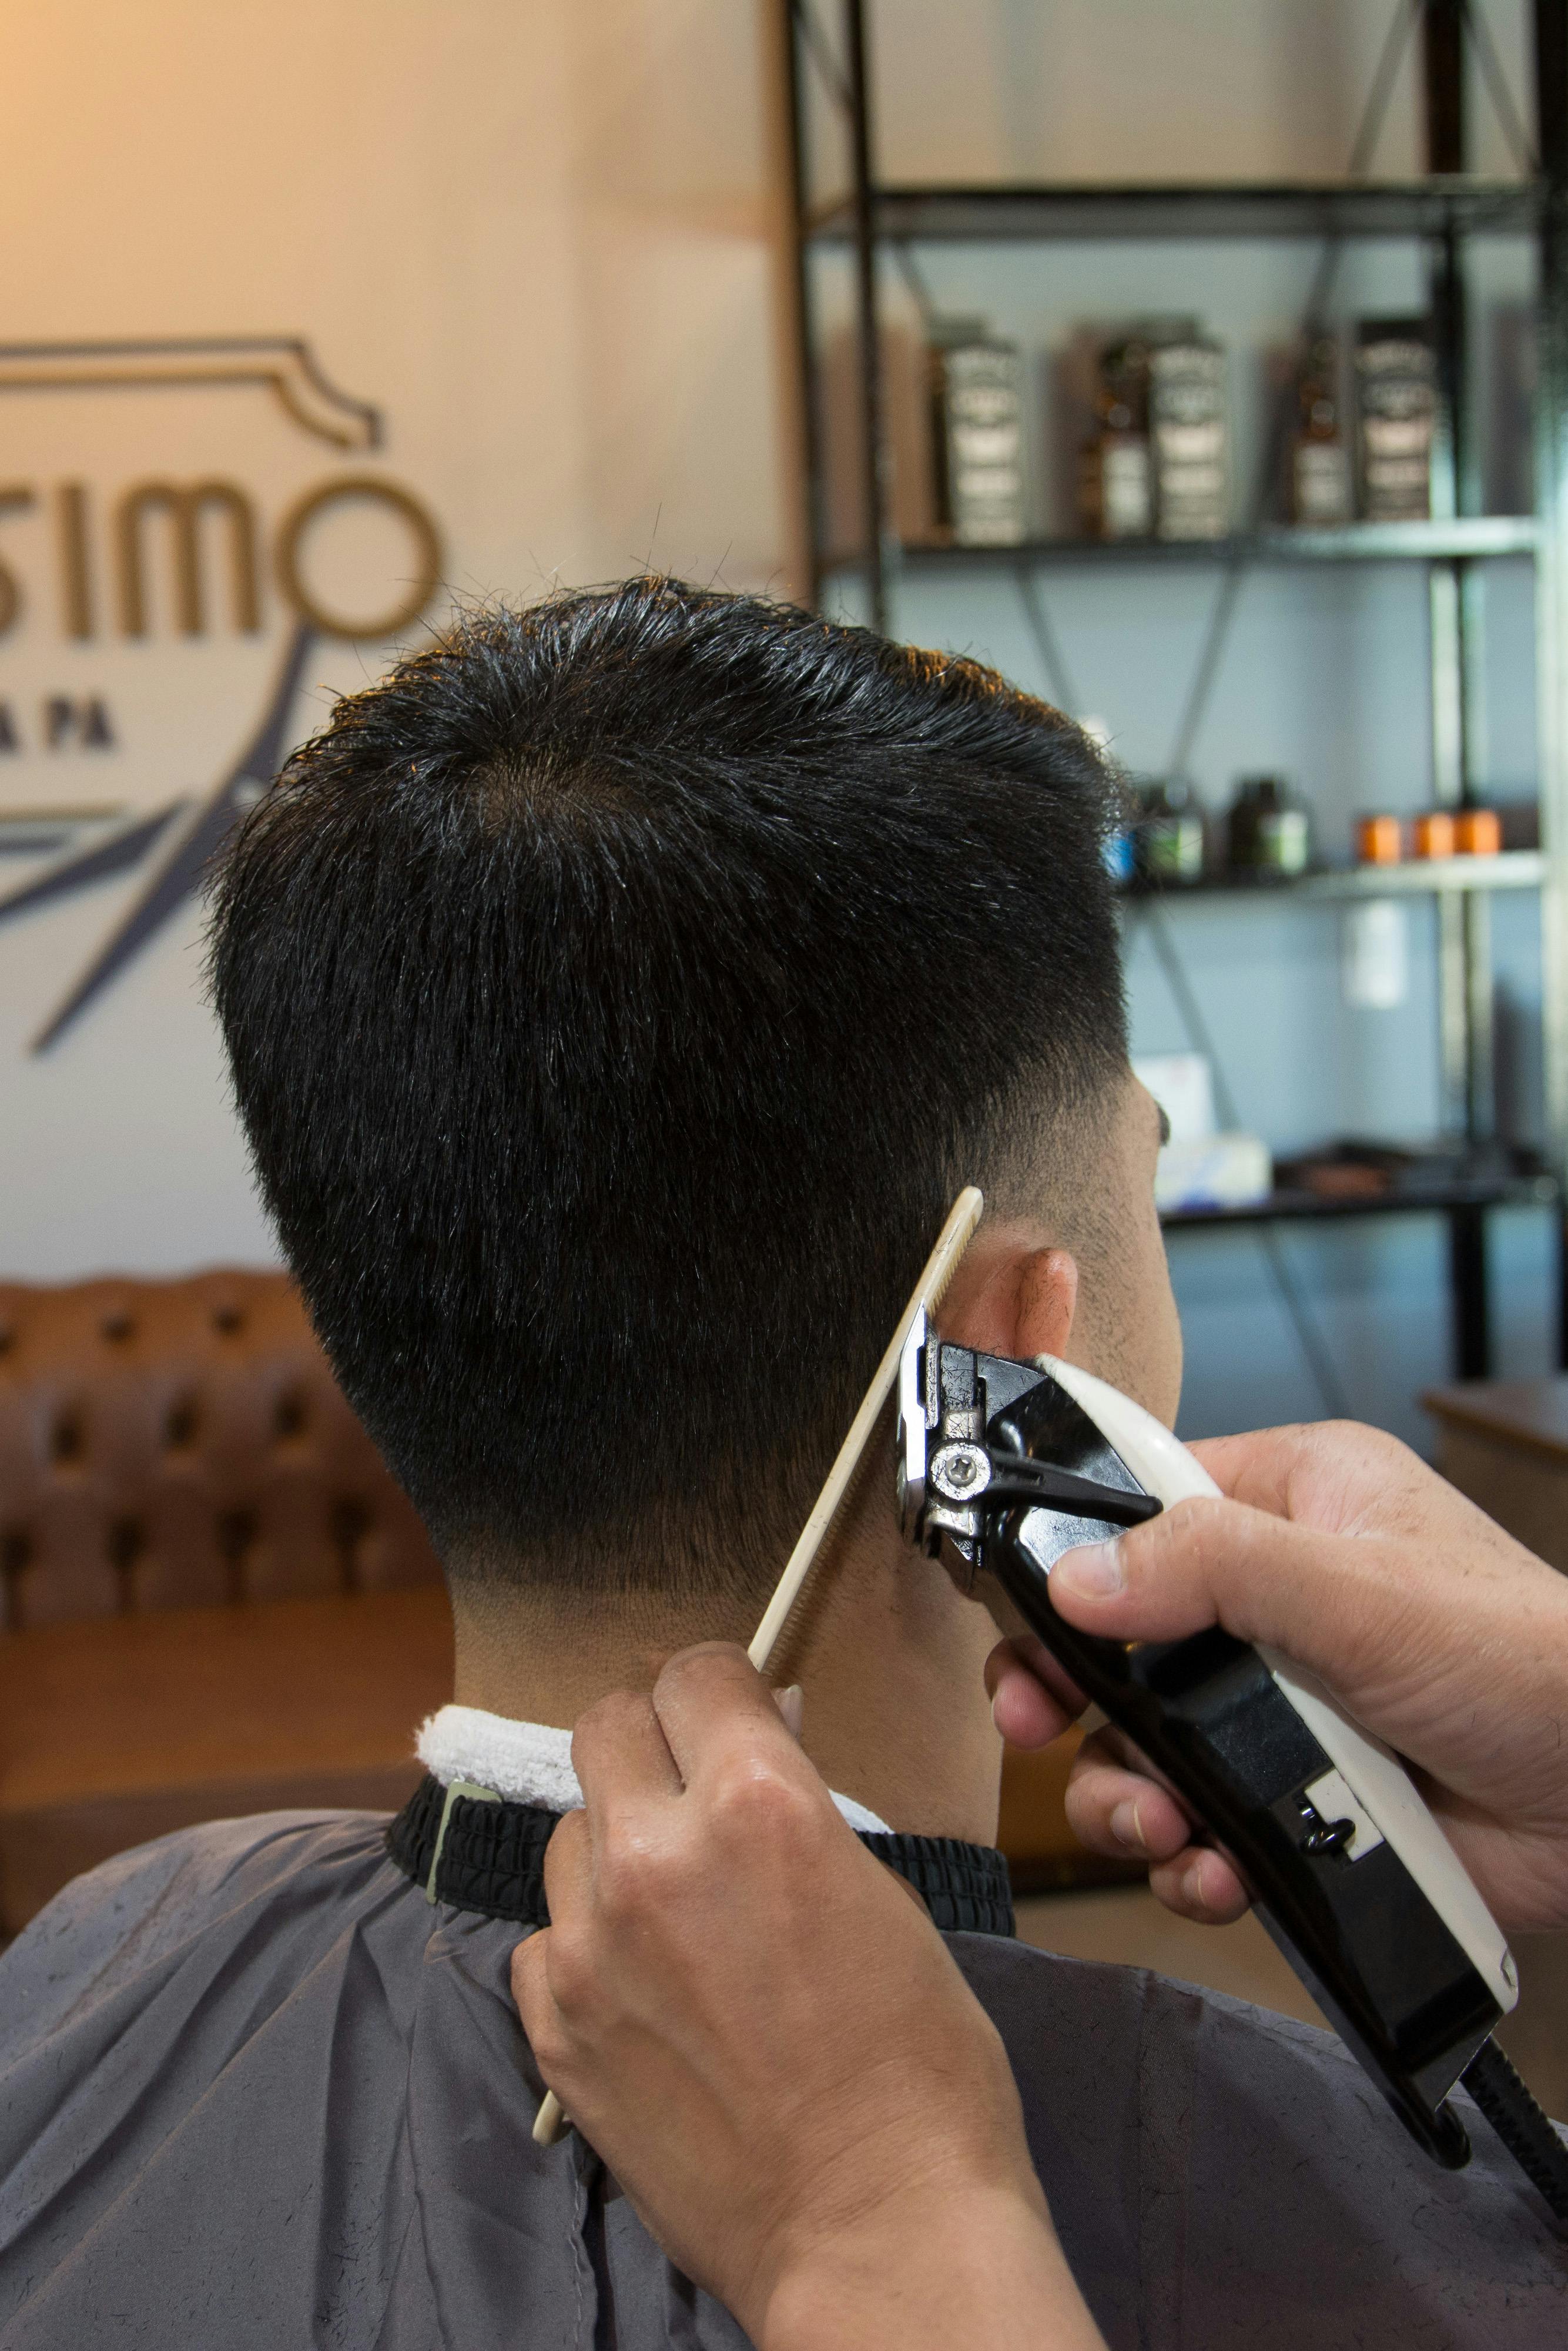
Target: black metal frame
{"points": [[1446, 208], [1041, 212]]}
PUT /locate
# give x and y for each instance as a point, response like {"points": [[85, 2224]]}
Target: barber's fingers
{"points": [[547, 1965], [1332, 1602], [1274, 1567], [568, 1867], [725, 1731], [1270, 1468], [1340, 1477], [618, 1752], [537, 1974], [1032, 1701], [1024, 1713], [1200, 1884], [1112, 1810], [531, 1990]]}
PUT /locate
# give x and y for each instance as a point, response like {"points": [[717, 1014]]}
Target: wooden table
{"points": [[1505, 1444]]}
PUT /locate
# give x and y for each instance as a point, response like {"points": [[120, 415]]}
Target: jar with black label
{"points": [[1168, 836], [1396, 406], [1189, 432], [976, 413], [1269, 835], [1115, 476], [1319, 465]]}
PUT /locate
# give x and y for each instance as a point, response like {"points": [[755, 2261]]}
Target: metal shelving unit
{"points": [[1441, 204], [1465, 537], [1511, 869], [1443, 211], [1291, 1206]]}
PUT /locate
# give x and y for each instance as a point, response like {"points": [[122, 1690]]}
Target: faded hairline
{"points": [[1038, 1162]]}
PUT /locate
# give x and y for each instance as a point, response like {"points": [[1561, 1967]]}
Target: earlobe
{"points": [[1023, 1307]]}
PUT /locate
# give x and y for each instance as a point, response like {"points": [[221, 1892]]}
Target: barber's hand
{"points": [[1433, 1628], [759, 2030]]}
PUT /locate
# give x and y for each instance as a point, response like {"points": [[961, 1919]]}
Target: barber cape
{"points": [[263, 2087]]}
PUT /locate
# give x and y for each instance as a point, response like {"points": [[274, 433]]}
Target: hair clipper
{"points": [[1011, 1464]]}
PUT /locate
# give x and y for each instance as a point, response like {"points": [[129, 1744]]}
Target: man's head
{"points": [[617, 993]]}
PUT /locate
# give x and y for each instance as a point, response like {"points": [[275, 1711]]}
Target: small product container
{"points": [[1168, 836], [1435, 833], [1477, 832], [1121, 861], [1320, 459], [1189, 433], [1116, 476], [976, 382], [1268, 834], [1379, 840], [1396, 409]]}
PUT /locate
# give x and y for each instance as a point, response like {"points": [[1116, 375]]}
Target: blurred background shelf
{"points": [[891, 262], [1512, 869], [1466, 537], [1466, 1195], [1444, 204]]}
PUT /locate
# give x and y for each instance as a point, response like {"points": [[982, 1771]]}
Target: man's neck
{"points": [[888, 1657]]}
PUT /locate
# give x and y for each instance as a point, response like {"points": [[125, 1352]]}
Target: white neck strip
{"points": [[531, 1762]]}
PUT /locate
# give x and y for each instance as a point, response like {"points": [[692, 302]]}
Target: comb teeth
{"points": [[839, 1486]]}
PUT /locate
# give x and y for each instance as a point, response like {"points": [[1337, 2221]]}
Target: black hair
{"points": [[616, 995]]}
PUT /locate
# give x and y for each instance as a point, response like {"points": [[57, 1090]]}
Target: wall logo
{"points": [[155, 580]]}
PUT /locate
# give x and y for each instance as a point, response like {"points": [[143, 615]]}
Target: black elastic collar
{"points": [[492, 1859]]}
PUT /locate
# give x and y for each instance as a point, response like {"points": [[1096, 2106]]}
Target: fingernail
{"points": [[791, 1705], [1125, 1826], [1093, 1571], [1192, 1886]]}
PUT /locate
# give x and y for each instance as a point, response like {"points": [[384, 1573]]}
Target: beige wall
{"points": [[537, 235], [534, 229]]}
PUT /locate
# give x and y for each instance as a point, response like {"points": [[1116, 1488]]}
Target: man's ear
{"points": [[1022, 1304]]}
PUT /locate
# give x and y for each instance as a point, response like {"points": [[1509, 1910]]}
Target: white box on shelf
{"points": [[1214, 1171], [1374, 955], [1182, 1085]]}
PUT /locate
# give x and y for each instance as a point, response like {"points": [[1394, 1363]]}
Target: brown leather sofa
{"points": [[214, 1599]]}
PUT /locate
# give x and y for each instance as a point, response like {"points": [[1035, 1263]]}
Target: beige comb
{"points": [[940, 1267]]}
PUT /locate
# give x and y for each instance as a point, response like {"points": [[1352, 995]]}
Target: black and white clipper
{"points": [[1001, 1467]]}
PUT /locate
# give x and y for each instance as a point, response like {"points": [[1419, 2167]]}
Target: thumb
{"points": [[530, 1986], [1335, 1604]]}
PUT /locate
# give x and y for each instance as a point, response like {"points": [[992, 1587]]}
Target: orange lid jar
{"points": [[1435, 833], [1477, 832], [1379, 840]]}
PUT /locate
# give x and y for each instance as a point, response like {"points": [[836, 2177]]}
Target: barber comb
{"points": [[838, 1487], [842, 1478]]}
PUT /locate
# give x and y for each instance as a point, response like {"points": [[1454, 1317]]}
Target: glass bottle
{"points": [[1189, 430], [1115, 481], [1168, 836], [1319, 460], [976, 417], [1268, 833]]}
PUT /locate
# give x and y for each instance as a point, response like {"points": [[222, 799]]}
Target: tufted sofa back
{"points": [[176, 1444]]}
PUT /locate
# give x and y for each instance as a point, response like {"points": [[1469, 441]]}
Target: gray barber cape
{"points": [[256, 2094]]}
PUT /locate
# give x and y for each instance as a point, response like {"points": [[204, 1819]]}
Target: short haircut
{"points": [[616, 993]]}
